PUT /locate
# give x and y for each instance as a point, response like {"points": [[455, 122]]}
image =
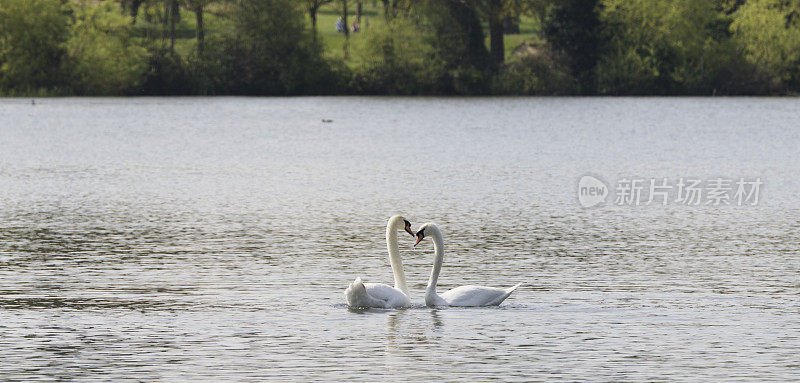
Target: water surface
{"points": [[211, 239]]}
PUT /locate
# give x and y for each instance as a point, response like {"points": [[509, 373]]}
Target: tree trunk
{"points": [[358, 10], [131, 6], [201, 32], [312, 12], [496, 43], [386, 6], [165, 22], [346, 30], [173, 13]]}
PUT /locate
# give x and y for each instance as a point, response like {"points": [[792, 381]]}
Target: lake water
{"points": [[211, 239]]}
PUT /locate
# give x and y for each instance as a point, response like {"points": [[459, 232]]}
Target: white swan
{"points": [[360, 294], [465, 296]]}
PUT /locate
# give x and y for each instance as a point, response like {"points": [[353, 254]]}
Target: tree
{"points": [[270, 51], [390, 8], [102, 57], [496, 12], [343, 9], [397, 58], [496, 42], [132, 6], [663, 47], [173, 12], [769, 32], [459, 37], [32, 36], [573, 29], [198, 7]]}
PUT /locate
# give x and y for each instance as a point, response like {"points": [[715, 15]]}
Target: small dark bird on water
{"points": [[327, 121]]}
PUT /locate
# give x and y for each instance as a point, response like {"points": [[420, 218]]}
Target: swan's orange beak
{"points": [[420, 236], [408, 228]]}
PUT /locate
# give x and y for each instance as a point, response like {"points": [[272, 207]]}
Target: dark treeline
{"points": [[273, 47]]}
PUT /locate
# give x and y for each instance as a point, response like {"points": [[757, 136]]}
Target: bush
{"points": [[536, 75], [102, 58], [168, 74]]}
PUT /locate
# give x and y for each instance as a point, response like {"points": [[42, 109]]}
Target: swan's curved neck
{"points": [[394, 256], [438, 248]]}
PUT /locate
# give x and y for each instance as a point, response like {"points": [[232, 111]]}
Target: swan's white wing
{"points": [[392, 296], [377, 295], [473, 296]]}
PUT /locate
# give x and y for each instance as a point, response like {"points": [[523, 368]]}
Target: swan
{"points": [[379, 295], [464, 296]]}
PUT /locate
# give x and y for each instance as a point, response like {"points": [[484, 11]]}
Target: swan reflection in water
{"points": [[407, 328]]}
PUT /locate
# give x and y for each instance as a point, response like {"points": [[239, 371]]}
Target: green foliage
{"points": [[535, 75], [459, 38], [168, 73], [663, 47], [572, 29], [102, 57], [398, 58], [769, 30], [32, 37], [471, 81], [268, 47], [270, 51]]}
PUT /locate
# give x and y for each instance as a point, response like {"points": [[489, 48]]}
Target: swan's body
{"points": [[465, 296], [470, 296], [379, 295]]}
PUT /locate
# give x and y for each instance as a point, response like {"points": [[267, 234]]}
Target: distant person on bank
{"points": [[340, 25]]}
